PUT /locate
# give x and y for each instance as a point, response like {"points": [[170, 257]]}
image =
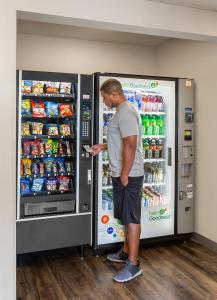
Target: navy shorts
{"points": [[127, 200]]}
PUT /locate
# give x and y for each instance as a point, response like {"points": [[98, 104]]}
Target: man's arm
{"points": [[129, 151], [96, 149]]}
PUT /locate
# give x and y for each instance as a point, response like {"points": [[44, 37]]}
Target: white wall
{"points": [[44, 53], [198, 60]]}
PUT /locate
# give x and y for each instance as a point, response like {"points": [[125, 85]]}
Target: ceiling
{"points": [[200, 4], [84, 33]]}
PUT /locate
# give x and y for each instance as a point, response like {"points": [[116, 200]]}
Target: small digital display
{"points": [[188, 135], [189, 115]]}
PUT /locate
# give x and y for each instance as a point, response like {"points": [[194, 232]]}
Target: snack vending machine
{"points": [[54, 172], [166, 106]]}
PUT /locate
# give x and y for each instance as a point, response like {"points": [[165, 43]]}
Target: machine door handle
{"points": [[169, 157]]}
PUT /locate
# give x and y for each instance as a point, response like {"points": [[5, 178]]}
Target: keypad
{"points": [[85, 129]]}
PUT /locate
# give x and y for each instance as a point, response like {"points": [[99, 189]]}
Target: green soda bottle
{"points": [[153, 124], [161, 125]]}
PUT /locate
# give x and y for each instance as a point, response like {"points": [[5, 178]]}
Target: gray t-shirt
{"points": [[125, 122]]}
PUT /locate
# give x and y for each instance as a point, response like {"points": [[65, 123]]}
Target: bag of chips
{"points": [[61, 167], [65, 110], [51, 185], [21, 169], [41, 148], [26, 86], [38, 87], [37, 128], [55, 147], [65, 87], [26, 107], [63, 183], [61, 151], [35, 147], [24, 186], [27, 166], [35, 168], [52, 129], [25, 129], [68, 167], [26, 148], [37, 185], [68, 148], [48, 147], [52, 108], [41, 168], [48, 162], [64, 129], [52, 87], [38, 109]]}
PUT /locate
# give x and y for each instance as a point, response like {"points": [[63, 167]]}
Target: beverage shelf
{"points": [[153, 136], [154, 184], [154, 160], [71, 96], [107, 187], [158, 113], [109, 111]]}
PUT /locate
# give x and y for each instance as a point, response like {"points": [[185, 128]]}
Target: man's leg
{"points": [[132, 242], [126, 247]]}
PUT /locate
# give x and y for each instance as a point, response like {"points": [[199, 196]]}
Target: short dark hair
{"points": [[110, 86]]}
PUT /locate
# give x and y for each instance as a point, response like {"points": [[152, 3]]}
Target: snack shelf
{"points": [[48, 117], [71, 96], [47, 175], [59, 137], [46, 156]]}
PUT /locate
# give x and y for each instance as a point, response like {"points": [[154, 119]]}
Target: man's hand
{"points": [[124, 180], [96, 149]]}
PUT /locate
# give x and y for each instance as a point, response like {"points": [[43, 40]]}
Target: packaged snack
{"points": [[52, 108], [52, 87], [35, 168], [48, 147], [37, 128], [61, 151], [48, 162], [63, 183], [55, 147], [24, 186], [41, 148], [26, 148], [65, 110], [37, 185], [68, 148], [25, 129], [21, 169], [41, 168], [52, 129], [51, 184], [64, 129], [38, 109], [68, 167], [27, 166], [55, 170], [26, 107], [61, 167], [65, 87], [38, 87], [26, 86], [35, 147]]}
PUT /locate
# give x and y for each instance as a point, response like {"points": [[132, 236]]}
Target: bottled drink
{"points": [[145, 148], [105, 128], [153, 125], [153, 148], [138, 98], [160, 104], [160, 148], [161, 125], [149, 149], [146, 124]]}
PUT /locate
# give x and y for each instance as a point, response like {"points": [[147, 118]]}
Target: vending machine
{"points": [[166, 106], [54, 171]]}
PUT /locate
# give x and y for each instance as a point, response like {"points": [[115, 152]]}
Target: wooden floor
{"points": [[184, 271]]}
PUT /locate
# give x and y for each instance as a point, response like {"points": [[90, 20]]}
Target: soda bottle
{"points": [[139, 101], [149, 149], [153, 125], [160, 104], [148, 103], [145, 148], [160, 148], [157, 150], [153, 148], [160, 125]]}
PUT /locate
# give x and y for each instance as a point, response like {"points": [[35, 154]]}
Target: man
{"points": [[124, 144]]}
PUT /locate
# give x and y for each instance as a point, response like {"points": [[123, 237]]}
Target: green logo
{"points": [[158, 215], [133, 85]]}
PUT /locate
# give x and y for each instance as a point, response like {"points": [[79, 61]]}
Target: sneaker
{"points": [[128, 272], [120, 256]]}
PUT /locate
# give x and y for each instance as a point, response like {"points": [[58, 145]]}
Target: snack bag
{"points": [[52, 87], [26, 107], [41, 168], [26, 148], [37, 185], [55, 170], [65, 110], [41, 148], [61, 167], [48, 162], [37, 128], [38, 87], [63, 183], [25, 129], [55, 147], [64, 129], [48, 147], [26, 86], [24, 186], [38, 109], [52, 108], [68, 167], [61, 151], [27, 166], [52, 129], [51, 184], [21, 169], [34, 147], [65, 87], [68, 148], [35, 168]]}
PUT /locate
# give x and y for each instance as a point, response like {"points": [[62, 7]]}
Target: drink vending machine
{"points": [[54, 171]]}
